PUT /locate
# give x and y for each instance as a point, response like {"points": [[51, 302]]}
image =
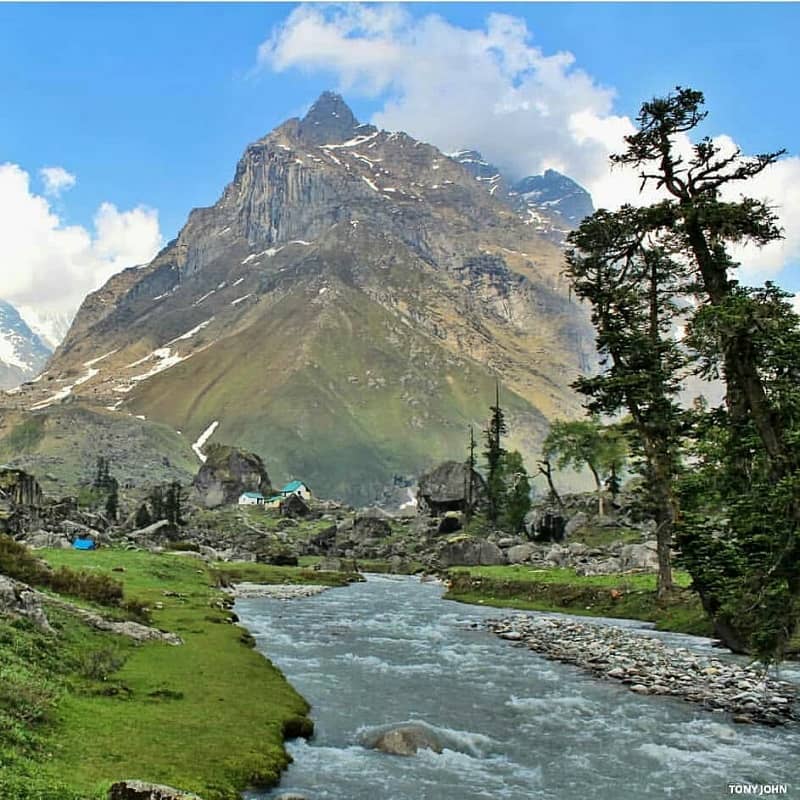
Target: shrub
{"points": [[97, 665], [96, 588]]}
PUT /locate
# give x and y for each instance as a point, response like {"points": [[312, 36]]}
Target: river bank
{"points": [[83, 708], [620, 596]]}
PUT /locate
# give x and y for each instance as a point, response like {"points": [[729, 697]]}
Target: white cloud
{"points": [[796, 303], [50, 267], [494, 90], [56, 180]]}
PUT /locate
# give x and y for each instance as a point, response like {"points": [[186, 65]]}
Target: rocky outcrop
{"points": [[20, 488], [468, 552], [133, 630], [446, 488], [19, 600], [226, 474]]}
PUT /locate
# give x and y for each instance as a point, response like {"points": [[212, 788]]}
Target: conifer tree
{"points": [[495, 457]]}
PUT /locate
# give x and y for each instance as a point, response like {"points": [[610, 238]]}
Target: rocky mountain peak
{"points": [[328, 121], [22, 352]]}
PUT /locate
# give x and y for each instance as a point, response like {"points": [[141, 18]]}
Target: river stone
{"points": [[139, 790], [405, 740]]}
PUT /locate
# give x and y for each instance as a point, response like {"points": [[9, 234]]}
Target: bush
{"points": [[99, 664], [96, 588], [18, 562]]}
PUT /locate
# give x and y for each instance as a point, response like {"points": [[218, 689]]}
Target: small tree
{"points": [[495, 457], [173, 504], [587, 443], [518, 491]]}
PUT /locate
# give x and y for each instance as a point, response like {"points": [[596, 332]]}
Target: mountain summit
{"points": [[329, 120], [344, 310]]}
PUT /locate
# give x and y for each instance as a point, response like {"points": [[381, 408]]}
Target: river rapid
{"points": [[515, 726]]}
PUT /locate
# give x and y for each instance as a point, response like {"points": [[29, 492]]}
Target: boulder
{"points": [[404, 740], [545, 524], [609, 566], [520, 553], [639, 556], [47, 539], [294, 506], [446, 488], [557, 556], [467, 552], [324, 541], [451, 522], [575, 523], [368, 528], [139, 790], [19, 600], [226, 474]]}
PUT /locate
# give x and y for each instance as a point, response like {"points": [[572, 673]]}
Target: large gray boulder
{"points": [[520, 553], [446, 488], [226, 474], [639, 557], [470, 552]]}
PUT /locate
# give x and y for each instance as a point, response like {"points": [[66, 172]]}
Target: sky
{"points": [[118, 119]]}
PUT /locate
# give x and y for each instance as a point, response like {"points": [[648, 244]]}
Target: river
{"points": [[516, 726]]}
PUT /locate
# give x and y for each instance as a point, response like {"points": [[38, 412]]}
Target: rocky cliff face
{"points": [[343, 310]]}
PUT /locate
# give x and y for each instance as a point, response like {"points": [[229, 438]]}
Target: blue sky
{"points": [[152, 104]]}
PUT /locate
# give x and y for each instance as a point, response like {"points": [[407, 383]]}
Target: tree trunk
{"points": [[599, 490], [546, 469]]}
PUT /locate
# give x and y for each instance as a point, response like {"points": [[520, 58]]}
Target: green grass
{"points": [[226, 573], [564, 575], [207, 716], [625, 596]]}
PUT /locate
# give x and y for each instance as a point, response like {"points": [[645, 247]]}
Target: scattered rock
{"points": [[277, 591], [647, 666]]}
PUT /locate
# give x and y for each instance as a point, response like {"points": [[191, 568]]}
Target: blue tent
{"points": [[83, 544]]}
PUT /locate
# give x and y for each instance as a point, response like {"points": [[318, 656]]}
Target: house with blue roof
{"points": [[251, 499], [296, 487]]}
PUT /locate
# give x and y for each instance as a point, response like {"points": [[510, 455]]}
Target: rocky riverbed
{"points": [[278, 591], [647, 666]]}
